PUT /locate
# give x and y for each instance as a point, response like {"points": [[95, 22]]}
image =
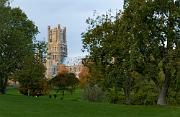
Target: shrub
{"points": [[93, 93], [173, 97], [35, 89], [113, 96], [145, 94]]}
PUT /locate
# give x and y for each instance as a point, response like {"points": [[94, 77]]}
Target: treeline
{"points": [[134, 56]]}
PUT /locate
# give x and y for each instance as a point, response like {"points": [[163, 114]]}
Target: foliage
{"points": [[84, 77], [16, 41], [114, 96], [107, 63], [35, 88], [144, 93], [65, 81], [157, 25], [40, 50], [32, 76], [139, 45], [93, 93]]}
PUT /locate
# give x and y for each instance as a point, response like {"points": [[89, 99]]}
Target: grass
{"points": [[16, 105]]}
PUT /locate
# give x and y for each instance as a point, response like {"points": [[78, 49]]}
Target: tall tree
{"points": [[31, 76], [143, 40], [108, 58], [148, 32], [16, 40]]}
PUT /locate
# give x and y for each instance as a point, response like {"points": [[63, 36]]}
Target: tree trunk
{"points": [[162, 96], [3, 85], [127, 97], [164, 91], [127, 89]]}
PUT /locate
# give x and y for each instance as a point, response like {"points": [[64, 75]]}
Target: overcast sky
{"points": [[69, 13]]}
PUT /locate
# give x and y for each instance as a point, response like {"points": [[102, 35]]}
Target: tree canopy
{"points": [[17, 34], [137, 49]]}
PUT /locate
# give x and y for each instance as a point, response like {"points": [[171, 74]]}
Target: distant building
{"points": [[74, 65], [57, 50], [76, 69]]}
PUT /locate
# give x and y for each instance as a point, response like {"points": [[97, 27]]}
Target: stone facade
{"points": [[74, 64], [57, 49], [76, 69]]}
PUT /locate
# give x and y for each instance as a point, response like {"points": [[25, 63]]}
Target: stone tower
{"points": [[57, 49]]}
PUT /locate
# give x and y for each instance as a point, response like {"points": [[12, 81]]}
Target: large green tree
{"points": [[155, 25], [16, 40], [31, 77], [143, 43], [108, 61]]}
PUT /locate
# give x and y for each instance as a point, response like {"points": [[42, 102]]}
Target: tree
{"points": [[31, 76], [40, 50], [64, 81], [16, 40], [83, 76], [142, 41], [32, 79], [155, 25], [109, 61], [72, 82]]}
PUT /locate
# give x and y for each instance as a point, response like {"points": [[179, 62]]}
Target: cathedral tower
{"points": [[57, 49]]}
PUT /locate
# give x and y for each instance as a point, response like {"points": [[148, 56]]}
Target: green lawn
{"points": [[16, 105]]}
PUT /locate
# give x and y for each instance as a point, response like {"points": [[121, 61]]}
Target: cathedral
{"points": [[57, 50]]}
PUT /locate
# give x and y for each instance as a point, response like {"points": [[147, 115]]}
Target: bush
{"points": [[114, 96], [65, 81], [36, 89], [173, 97], [145, 94], [93, 93]]}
